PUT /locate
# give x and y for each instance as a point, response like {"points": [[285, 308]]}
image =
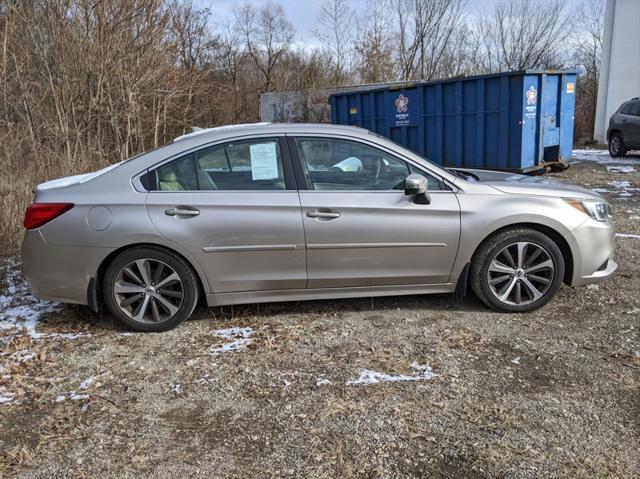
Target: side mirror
{"points": [[416, 185]]}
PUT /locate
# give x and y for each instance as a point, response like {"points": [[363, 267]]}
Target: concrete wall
{"points": [[620, 70]]}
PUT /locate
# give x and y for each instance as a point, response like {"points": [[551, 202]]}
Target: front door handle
{"points": [[182, 211], [326, 214]]}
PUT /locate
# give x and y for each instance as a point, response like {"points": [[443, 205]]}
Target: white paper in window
{"points": [[264, 161]]}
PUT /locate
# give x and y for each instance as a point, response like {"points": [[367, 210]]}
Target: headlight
{"points": [[598, 210]]}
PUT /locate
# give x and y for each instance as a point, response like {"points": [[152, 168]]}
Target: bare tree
{"points": [[335, 33], [588, 19], [229, 56], [522, 34], [84, 83], [267, 35], [189, 27], [373, 48], [424, 29]]}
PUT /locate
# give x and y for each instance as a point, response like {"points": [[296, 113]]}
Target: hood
{"points": [[517, 184]]}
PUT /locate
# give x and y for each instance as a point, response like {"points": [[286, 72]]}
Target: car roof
{"points": [[251, 128]]}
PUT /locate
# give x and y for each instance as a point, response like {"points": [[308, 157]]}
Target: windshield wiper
{"points": [[465, 175]]}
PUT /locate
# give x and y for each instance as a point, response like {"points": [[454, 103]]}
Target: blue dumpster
{"points": [[518, 121]]}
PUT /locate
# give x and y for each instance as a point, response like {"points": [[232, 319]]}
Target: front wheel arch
{"points": [[555, 236], [538, 291]]}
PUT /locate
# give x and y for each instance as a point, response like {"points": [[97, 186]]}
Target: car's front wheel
{"points": [[517, 270], [616, 146], [149, 289]]}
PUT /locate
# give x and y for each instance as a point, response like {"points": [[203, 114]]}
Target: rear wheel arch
{"points": [[613, 132], [94, 294]]}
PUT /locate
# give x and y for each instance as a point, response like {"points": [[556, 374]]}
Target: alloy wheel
{"points": [[615, 145], [148, 291], [521, 273]]}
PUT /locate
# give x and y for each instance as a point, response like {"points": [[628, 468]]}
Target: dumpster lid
{"points": [[393, 86]]}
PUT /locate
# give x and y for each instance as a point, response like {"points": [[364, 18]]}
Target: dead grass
{"points": [[568, 407]]}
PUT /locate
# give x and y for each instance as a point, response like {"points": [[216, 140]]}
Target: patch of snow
{"points": [[19, 310], [87, 382], [593, 286], [238, 339], [621, 169], [205, 380], [5, 396], [321, 381], [78, 397], [26, 317], [73, 396], [627, 235], [623, 188], [602, 157], [600, 190], [620, 184], [368, 376], [419, 367], [516, 360], [286, 383], [22, 356], [176, 389]]}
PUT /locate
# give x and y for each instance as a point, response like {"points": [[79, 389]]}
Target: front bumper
{"points": [[593, 244]]}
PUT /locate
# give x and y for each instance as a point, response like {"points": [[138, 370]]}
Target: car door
{"points": [[235, 207], [361, 229], [632, 136]]}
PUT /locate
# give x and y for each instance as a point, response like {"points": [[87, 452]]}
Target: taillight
{"points": [[38, 214]]}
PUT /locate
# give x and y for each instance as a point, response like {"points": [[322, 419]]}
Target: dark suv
{"points": [[624, 128]]}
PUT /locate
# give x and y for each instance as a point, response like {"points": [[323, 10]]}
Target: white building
{"points": [[620, 70]]}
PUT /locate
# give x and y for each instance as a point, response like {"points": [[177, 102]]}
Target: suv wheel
{"points": [[616, 146], [517, 270], [150, 290]]}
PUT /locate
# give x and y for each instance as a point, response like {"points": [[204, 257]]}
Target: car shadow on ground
{"points": [[72, 318], [431, 302]]}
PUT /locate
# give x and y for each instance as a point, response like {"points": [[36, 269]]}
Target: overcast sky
{"points": [[304, 13]]}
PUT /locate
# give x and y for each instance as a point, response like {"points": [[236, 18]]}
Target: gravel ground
{"points": [[416, 386]]}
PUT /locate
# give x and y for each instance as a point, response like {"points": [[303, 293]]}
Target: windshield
{"points": [[411, 152], [464, 175]]}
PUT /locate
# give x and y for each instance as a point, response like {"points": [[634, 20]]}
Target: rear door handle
{"points": [[326, 214], [182, 211]]}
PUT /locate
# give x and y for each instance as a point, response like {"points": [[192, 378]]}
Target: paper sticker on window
{"points": [[570, 87], [264, 161]]}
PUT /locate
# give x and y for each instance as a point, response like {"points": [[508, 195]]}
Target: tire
{"points": [[490, 280], [616, 146], [138, 305]]}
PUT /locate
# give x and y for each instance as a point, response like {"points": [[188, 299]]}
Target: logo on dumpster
{"points": [[532, 95], [402, 103]]}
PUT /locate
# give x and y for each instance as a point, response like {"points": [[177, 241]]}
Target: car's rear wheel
{"points": [[517, 270], [616, 146], [150, 290]]}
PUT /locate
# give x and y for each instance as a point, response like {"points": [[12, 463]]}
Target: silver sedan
{"points": [[273, 212]]}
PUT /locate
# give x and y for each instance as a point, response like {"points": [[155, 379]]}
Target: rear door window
{"points": [[243, 165]]}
